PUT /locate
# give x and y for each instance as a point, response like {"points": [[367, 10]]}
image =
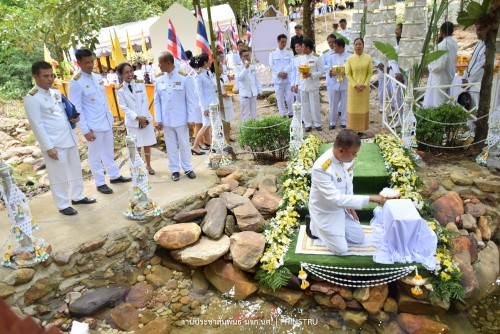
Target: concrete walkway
{"points": [[106, 216]]}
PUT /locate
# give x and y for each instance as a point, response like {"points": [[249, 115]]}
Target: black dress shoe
{"points": [[319, 128], [84, 200], [308, 228], [104, 189], [176, 176], [203, 148], [193, 152], [121, 179], [191, 174], [308, 129], [332, 127], [69, 211]]}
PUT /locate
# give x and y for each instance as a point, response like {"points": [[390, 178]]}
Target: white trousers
{"points": [[337, 100], [297, 97], [311, 108], [102, 157], [284, 94], [342, 231], [248, 108], [63, 172], [177, 141]]}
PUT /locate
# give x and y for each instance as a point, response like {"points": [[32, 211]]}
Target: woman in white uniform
{"points": [[207, 93], [198, 122], [133, 100], [226, 99]]}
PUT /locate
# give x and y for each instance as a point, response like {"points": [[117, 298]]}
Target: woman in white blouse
{"points": [[133, 100]]}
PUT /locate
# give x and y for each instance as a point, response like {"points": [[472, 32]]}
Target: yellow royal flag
{"points": [[144, 47], [48, 57], [119, 58], [113, 55], [130, 48]]}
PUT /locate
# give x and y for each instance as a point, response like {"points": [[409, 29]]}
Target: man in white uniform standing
{"points": [[175, 107], [332, 201], [58, 142], [248, 85], [280, 62], [337, 84], [442, 70], [309, 86], [96, 122]]}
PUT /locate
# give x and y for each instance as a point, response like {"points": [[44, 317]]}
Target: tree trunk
{"points": [[308, 19], [487, 80]]}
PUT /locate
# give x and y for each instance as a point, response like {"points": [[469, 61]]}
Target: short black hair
{"points": [[218, 53], [39, 65], [121, 67], [343, 21], [189, 54], [340, 42], [309, 43], [280, 36], [243, 51], [347, 139], [193, 62], [331, 36], [447, 28], [202, 59], [82, 53], [298, 26], [240, 42]]}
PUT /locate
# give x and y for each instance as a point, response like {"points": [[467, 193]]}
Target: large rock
{"points": [[6, 290], [225, 170], [407, 303], [20, 276], [22, 150], [448, 207], [178, 235], [476, 210], [267, 203], [468, 222], [233, 200], [157, 326], [419, 325], [213, 223], [484, 227], [488, 185], [94, 300], [233, 184], [325, 288], [140, 295], [215, 191], [229, 280], [468, 280], [125, 317], [487, 272], [291, 297], [204, 252], [247, 249], [189, 216], [354, 319], [430, 185], [40, 289], [248, 218], [268, 184], [376, 299], [461, 178]]}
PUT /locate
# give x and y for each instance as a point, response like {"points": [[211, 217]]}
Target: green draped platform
{"points": [[370, 177]]}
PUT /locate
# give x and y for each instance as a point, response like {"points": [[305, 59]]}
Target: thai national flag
{"points": [[201, 37], [174, 44], [220, 37], [235, 36], [249, 34]]}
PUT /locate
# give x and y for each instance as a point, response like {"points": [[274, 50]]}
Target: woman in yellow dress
{"points": [[359, 69]]}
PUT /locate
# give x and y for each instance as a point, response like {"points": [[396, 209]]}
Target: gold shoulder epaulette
{"points": [[119, 86], [325, 51], [199, 71], [326, 164], [290, 49], [317, 55], [33, 91], [139, 81], [77, 76], [159, 74], [182, 73]]}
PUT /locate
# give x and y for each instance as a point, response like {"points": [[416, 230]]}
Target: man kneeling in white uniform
{"points": [[332, 201]]}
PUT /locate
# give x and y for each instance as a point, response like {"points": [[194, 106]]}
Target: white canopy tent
{"points": [[155, 29]]}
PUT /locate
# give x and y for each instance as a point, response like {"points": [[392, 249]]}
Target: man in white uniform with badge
{"points": [[280, 62], [175, 107], [52, 128], [332, 201], [86, 92], [249, 86], [336, 84], [308, 84]]}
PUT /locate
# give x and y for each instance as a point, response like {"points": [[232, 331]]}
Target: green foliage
{"points": [[432, 56], [473, 13], [273, 281], [445, 291], [433, 133], [15, 72], [387, 49], [267, 134], [342, 37]]}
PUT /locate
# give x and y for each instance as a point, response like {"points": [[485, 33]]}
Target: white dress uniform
{"points": [[134, 102], [86, 92], [309, 89], [293, 77], [281, 61], [249, 88], [475, 70], [207, 93], [331, 195], [112, 78], [441, 73], [51, 127], [174, 108], [228, 101], [347, 34], [198, 118], [337, 91]]}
